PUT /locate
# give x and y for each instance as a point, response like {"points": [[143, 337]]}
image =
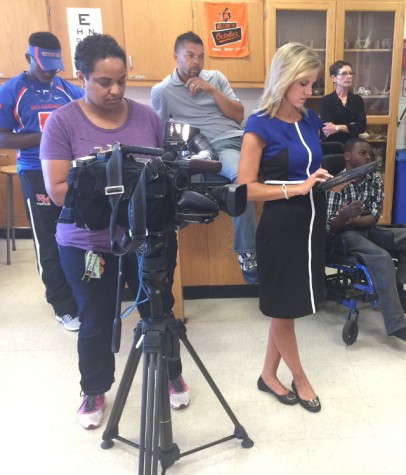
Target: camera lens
{"points": [[200, 142]]}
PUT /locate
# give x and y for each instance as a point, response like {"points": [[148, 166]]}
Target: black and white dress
{"points": [[291, 233]]}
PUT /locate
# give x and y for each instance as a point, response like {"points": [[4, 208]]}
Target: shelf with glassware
{"points": [[372, 81], [377, 136], [310, 23], [369, 35]]}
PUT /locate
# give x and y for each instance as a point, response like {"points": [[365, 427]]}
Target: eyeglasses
{"points": [[51, 71], [345, 74]]}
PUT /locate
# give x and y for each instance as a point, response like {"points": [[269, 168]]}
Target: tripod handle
{"points": [[116, 339], [116, 336]]}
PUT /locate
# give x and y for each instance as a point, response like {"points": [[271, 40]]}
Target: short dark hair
{"points": [[189, 37], [334, 68], [350, 143], [95, 47], [45, 40]]}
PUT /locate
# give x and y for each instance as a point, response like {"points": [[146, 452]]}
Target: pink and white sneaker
{"points": [[179, 394], [91, 411]]}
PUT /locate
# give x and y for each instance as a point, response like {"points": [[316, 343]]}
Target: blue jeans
{"points": [[383, 272], [245, 225]]}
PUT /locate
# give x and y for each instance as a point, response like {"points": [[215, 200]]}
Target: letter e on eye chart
{"points": [[82, 22]]}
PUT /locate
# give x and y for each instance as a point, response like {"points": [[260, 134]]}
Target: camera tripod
{"points": [[157, 338]]}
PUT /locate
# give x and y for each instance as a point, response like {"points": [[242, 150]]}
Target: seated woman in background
{"points": [[342, 111]]}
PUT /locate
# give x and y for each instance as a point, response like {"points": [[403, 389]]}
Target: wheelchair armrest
{"points": [[338, 245], [337, 252], [381, 237]]}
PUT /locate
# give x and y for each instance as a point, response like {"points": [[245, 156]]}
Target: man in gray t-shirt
{"points": [[205, 99]]}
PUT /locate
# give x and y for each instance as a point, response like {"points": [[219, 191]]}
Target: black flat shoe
{"points": [[288, 399], [313, 405]]}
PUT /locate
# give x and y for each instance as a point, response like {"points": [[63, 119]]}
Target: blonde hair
{"points": [[291, 62]]}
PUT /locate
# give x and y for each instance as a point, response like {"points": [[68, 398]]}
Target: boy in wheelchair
{"points": [[353, 213]]}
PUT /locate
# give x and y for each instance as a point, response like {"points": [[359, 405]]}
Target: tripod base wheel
{"points": [[167, 459], [240, 433], [247, 444], [107, 444]]}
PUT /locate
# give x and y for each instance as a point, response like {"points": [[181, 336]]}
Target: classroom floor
{"points": [[361, 429]]}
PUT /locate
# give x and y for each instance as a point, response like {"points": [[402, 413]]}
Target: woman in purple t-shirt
{"points": [[95, 122]]}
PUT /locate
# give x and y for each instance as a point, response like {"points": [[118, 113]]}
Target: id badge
{"points": [[92, 266]]}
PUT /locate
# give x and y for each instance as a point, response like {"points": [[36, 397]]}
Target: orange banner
{"points": [[227, 26]]}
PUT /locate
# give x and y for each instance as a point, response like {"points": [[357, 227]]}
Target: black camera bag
{"points": [[119, 191]]}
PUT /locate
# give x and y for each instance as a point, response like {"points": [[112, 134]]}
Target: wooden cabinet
{"points": [[149, 44], [111, 18], [206, 253], [150, 29], [146, 29], [310, 23], [19, 18], [369, 35], [241, 72]]}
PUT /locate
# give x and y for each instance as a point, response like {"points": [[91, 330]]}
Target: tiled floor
{"points": [[361, 429]]}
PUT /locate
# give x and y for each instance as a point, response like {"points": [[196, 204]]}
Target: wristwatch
{"points": [[336, 128]]}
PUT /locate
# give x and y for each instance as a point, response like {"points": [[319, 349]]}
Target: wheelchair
{"points": [[351, 280]]}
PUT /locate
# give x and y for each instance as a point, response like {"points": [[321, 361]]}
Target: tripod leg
{"points": [[147, 413], [239, 430], [155, 410], [111, 431], [169, 452]]}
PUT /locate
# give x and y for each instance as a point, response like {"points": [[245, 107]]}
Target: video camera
{"points": [[186, 149], [148, 190]]}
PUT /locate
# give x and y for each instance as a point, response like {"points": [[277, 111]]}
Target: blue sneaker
{"points": [[248, 264]]}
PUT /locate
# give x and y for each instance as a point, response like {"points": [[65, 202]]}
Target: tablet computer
{"points": [[347, 175]]}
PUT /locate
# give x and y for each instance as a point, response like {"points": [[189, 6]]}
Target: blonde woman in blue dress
{"points": [[281, 143]]}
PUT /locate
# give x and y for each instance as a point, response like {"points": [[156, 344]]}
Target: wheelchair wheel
{"points": [[350, 331]]}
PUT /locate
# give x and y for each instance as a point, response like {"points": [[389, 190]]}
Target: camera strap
{"points": [[137, 204]]}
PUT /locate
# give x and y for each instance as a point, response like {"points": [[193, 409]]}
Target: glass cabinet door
{"points": [[369, 35], [368, 46], [311, 24], [377, 136], [309, 28]]}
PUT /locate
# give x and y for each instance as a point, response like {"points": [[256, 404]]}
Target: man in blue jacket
{"points": [[26, 101]]}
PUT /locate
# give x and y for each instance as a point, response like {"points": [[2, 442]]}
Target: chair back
{"points": [[334, 163], [329, 148]]}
